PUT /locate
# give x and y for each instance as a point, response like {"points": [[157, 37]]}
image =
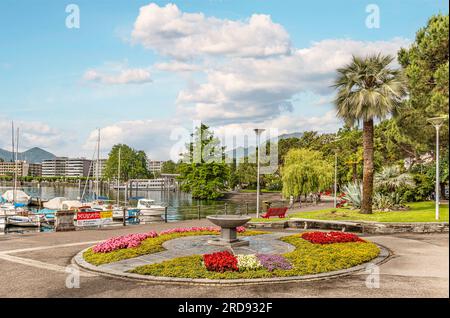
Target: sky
{"points": [[145, 73]]}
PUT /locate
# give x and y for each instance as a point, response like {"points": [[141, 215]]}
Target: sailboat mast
{"points": [[15, 166], [97, 187]]}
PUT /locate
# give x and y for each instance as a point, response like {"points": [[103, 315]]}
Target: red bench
{"points": [[280, 212]]}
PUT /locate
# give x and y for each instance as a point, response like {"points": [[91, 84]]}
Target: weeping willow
{"points": [[305, 171]]}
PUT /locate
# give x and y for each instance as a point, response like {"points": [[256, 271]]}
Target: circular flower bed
{"points": [[313, 254], [133, 245]]}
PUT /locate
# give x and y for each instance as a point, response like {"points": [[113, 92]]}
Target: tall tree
{"points": [[203, 172], [305, 171], [368, 89], [426, 65], [133, 163]]}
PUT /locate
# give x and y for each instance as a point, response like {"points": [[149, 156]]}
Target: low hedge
{"points": [[307, 258], [148, 246]]}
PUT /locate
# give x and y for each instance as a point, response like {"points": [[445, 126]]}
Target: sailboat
{"points": [[17, 199]]}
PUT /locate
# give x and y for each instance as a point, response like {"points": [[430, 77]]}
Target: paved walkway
{"points": [[34, 265]]}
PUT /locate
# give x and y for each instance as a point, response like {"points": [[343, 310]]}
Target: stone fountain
{"points": [[228, 232]]}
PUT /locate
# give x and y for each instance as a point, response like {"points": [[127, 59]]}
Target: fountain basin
{"points": [[228, 232]]}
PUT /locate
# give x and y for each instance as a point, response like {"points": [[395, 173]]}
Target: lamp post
{"points": [[258, 136], [437, 122], [335, 172]]}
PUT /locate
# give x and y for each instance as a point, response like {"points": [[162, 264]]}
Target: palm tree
{"points": [[368, 89]]}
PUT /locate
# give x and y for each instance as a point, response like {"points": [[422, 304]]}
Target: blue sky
{"points": [[61, 84]]}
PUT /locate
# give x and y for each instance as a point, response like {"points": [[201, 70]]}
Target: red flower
{"points": [[220, 262], [331, 237]]}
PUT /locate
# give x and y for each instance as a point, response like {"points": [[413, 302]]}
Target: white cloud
{"points": [[32, 134], [125, 76], [177, 67], [247, 88], [152, 136], [182, 35]]}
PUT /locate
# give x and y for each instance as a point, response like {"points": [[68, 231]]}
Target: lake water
{"points": [[180, 205]]}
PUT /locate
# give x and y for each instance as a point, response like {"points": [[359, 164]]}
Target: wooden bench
{"points": [[280, 212]]}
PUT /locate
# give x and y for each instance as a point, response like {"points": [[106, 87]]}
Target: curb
{"points": [[384, 256]]}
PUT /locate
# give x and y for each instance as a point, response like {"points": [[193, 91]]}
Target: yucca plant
{"points": [[353, 194]]}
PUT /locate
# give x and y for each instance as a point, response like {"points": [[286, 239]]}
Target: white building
{"points": [[154, 166], [77, 167], [66, 167], [54, 167], [101, 168]]}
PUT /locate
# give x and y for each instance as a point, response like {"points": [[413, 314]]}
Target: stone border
{"points": [[355, 226], [383, 257]]}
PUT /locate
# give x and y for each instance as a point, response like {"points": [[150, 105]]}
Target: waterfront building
{"points": [[55, 167], [154, 166], [101, 168], [77, 167], [24, 169]]}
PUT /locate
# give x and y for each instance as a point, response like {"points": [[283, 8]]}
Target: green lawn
{"points": [[419, 212]]}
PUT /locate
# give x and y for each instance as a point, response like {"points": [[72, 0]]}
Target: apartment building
{"points": [[24, 169], [77, 167], [154, 166], [54, 167], [101, 168]]}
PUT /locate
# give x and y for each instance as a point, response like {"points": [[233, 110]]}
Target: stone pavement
{"points": [[419, 268], [193, 245]]}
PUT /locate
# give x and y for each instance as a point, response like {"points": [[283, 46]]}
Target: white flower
{"points": [[248, 262]]}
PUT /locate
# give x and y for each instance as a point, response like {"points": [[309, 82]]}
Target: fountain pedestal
{"points": [[228, 232]]}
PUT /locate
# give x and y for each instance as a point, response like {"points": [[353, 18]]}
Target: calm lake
{"points": [[180, 205]]}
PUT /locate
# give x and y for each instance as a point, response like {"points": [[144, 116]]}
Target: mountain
{"points": [[33, 155]]}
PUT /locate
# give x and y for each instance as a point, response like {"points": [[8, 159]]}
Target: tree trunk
{"points": [[355, 172], [367, 192]]}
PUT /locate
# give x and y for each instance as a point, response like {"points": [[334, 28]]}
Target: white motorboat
{"points": [[147, 207], [26, 221]]}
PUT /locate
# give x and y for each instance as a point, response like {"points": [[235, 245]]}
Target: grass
{"points": [[307, 258], [419, 212], [148, 246]]}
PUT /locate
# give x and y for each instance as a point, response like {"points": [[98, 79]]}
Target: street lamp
{"points": [[258, 136], [335, 172], [437, 122]]}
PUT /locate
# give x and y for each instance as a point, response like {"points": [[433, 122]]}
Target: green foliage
{"points": [[203, 172], [307, 258], [368, 89], [426, 65], [148, 246], [353, 194], [418, 212], [391, 178], [169, 167], [133, 163], [388, 202], [304, 172], [205, 181]]}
